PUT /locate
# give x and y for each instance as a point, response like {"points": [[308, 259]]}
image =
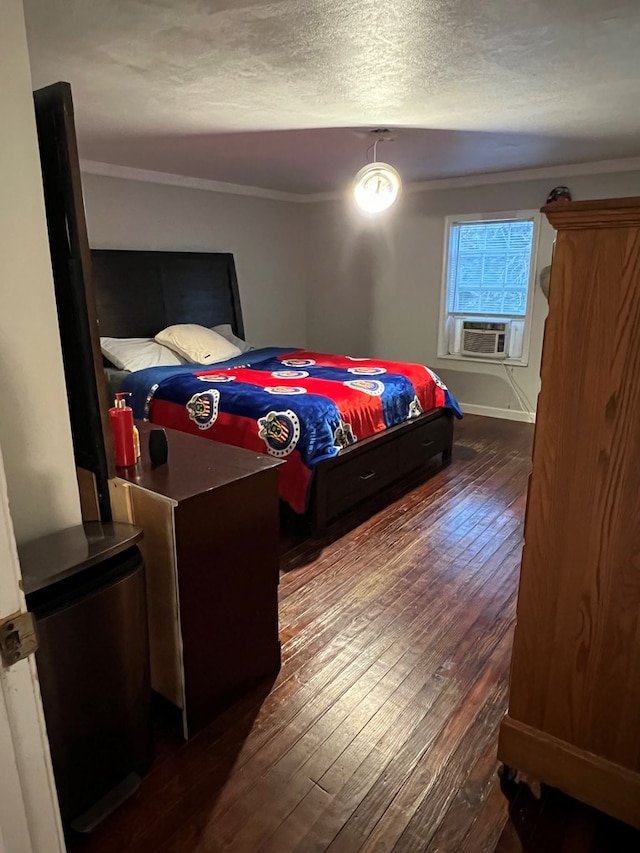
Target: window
{"points": [[488, 270], [488, 275]]}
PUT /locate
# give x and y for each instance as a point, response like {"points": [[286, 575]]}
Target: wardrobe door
{"points": [[575, 684], [71, 262]]}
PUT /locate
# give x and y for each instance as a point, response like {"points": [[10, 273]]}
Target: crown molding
{"points": [[600, 167], [129, 173]]}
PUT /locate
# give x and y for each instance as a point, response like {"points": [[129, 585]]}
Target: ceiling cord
{"points": [[374, 145]]}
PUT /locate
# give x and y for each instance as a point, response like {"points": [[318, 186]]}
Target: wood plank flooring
{"points": [[380, 731]]}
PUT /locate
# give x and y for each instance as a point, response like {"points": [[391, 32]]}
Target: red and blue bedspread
{"points": [[302, 407]]}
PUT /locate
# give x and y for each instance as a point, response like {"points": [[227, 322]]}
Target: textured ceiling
{"points": [[276, 94]]}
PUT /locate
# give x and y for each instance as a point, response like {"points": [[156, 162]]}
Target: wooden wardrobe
{"points": [[574, 710]]}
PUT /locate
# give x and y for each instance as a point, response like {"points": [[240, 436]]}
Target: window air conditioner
{"points": [[485, 337]]}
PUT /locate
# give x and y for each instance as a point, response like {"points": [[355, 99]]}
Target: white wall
{"points": [[323, 276], [35, 434], [375, 285], [267, 239]]}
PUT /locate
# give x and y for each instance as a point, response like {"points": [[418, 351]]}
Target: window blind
{"points": [[489, 264]]}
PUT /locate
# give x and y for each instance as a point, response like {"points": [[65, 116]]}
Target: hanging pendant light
{"points": [[377, 185]]}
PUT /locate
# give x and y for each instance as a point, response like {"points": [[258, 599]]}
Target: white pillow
{"points": [[227, 333], [197, 344], [137, 353]]}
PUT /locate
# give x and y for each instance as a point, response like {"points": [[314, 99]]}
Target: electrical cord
{"points": [[373, 145], [523, 400]]}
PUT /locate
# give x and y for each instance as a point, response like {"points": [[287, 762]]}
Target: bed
{"points": [[400, 416]]}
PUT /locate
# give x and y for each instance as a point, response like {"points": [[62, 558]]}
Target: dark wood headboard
{"points": [[140, 293]]}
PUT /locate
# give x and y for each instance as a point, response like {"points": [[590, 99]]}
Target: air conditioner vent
{"points": [[481, 338], [485, 338], [482, 343]]}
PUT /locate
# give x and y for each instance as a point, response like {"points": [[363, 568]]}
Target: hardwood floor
{"points": [[380, 731]]}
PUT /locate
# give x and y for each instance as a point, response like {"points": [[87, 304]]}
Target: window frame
{"points": [[445, 314]]}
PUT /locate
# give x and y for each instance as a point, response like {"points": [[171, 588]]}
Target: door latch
{"points": [[18, 638]]}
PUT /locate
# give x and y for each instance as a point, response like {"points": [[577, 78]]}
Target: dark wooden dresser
{"points": [[574, 709], [210, 521]]}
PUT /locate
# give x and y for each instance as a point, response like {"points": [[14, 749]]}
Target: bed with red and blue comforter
{"points": [[303, 407]]}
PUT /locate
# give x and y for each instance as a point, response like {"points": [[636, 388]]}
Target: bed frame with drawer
{"points": [[138, 293]]}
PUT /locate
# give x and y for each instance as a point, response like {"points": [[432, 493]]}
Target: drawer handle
{"points": [[368, 475], [427, 443]]}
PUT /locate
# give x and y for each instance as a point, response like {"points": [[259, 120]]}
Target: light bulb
{"points": [[376, 187]]}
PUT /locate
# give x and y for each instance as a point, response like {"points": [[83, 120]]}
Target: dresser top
{"points": [[194, 465]]}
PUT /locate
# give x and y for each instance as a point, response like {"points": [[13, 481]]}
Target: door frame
{"points": [[29, 814]]}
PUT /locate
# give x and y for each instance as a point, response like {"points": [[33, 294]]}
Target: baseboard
{"points": [[587, 777], [492, 412]]}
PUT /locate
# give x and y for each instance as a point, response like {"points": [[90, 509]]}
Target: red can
{"points": [[121, 420]]}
